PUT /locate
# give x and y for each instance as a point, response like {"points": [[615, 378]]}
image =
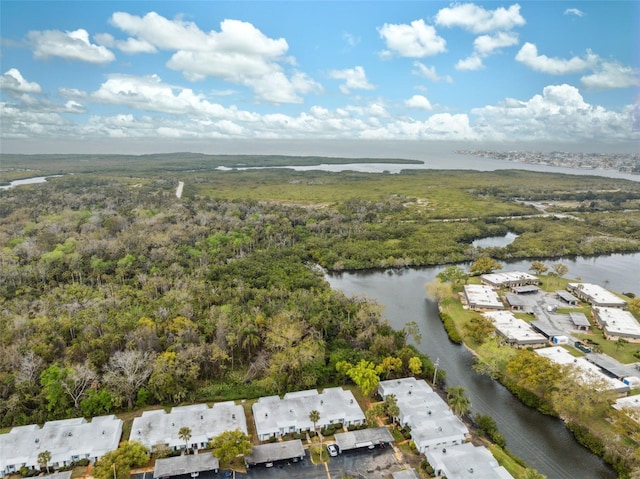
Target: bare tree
{"points": [[78, 381], [30, 367], [127, 371]]}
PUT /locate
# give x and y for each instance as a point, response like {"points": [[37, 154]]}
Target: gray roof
{"points": [[176, 466], [363, 438], [568, 297], [608, 364], [525, 289], [579, 319], [546, 328], [276, 451]]}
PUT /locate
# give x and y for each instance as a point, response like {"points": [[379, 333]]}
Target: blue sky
{"points": [[170, 73]]}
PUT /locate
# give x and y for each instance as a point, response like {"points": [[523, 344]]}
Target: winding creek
{"points": [[542, 441]]}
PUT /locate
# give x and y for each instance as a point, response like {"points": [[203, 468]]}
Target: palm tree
{"points": [[392, 408], [458, 400], [314, 417], [43, 459], [185, 434]]}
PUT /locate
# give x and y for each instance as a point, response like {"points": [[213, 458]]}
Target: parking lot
{"points": [[370, 464]]}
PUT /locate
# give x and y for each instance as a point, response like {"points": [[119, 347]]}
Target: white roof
{"points": [[596, 294], [466, 461], [159, 427], [273, 415], [619, 322], [482, 296], [421, 408], [630, 405], [63, 439], [514, 329], [588, 371], [507, 277]]}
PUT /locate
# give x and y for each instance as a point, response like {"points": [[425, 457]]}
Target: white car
{"points": [[332, 449]]}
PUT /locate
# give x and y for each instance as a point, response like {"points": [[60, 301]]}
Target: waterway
{"points": [[542, 441], [28, 181]]}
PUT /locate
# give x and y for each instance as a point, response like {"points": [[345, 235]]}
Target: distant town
{"points": [[624, 162]]}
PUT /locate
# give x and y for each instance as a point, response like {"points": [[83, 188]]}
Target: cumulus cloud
{"points": [[416, 40], [574, 11], [528, 55], [420, 69], [611, 75], [150, 93], [419, 102], [559, 113], [13, 81], [73, 45], [239, 53], [488, 44], [471, 63], [354, 79], [476, 19]]}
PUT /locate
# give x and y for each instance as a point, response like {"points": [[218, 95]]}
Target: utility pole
{"points": [[435, 371]]}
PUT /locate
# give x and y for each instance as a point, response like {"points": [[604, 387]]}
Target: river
{"points": [[542, 441]]}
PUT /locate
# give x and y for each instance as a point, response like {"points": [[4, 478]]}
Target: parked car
{"points": [[332, 449]]}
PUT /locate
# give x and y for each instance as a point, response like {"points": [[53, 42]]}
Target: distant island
{"points": [[623, 162]]}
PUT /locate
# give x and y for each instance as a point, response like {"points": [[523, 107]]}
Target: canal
{"points": [[542, 441]]}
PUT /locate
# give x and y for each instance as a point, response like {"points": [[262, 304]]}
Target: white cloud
{"points": [[149, 93], [416, 40], [69, 45], [611, 75], [133, 45], [239, 53], [420, 69], [419, 102], [478, 20], [485, 45], [471, 63], [13, 81], [559, 113], [350, 39], [528, 55], [355, 79], [574, 11]]}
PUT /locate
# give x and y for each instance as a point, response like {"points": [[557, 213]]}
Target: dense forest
{"points": [[116, 294]]}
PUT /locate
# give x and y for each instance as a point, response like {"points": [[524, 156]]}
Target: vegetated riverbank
{"points": [[547, 387]]}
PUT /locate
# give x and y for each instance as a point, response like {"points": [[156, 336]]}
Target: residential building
{"points": [[466, 462], [432, 423], [617, 323], [158, 427], [596, 295], [275, 417], [509, 279], [68, 441], [480, 298], [515, 331]]}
